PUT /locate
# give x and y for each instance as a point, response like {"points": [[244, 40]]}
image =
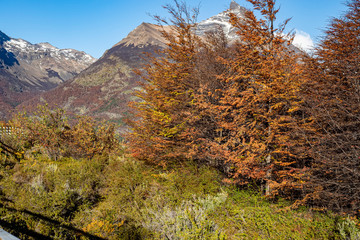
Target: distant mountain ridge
{"points": [[104, 89], [27, 69], [43, 66]]}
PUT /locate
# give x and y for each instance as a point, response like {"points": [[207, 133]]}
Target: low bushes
{"points": [[119, 198]]}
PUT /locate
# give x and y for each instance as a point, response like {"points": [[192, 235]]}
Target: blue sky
{"points": [[96, 25]]}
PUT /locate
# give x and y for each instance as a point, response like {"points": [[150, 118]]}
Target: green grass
{"points": [[248, 215]]}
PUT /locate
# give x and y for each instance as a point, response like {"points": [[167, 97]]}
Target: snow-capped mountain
{"points": [[28, 51], [150, 34], [221, 20], [43, 66], [26, 69], [104, 89]]}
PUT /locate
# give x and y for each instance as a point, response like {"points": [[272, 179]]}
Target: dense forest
{"points": [[251, 140]]}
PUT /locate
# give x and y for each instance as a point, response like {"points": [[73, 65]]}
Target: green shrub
{"points": [[189, 220], [249, 215], [50, 132], [48, 194], [348, 230], [132, 187]]}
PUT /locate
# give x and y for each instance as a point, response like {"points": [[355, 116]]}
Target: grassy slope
{"points": [[119, 198]]}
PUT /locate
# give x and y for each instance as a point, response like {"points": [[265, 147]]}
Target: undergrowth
{"points": [[115, 197]]}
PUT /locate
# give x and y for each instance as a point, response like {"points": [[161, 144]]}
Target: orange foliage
{"points": [[260, 105], [238, 108], [260, 111], [167, 97], [334, 99]]}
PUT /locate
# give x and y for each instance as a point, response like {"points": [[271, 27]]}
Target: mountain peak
{"points": [[145, 34], [46, 45], [222, 20], [3, 38], [234, 5], [236, 8]]}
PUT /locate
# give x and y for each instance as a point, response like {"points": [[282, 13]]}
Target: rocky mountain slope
{"points": [[104, 89], [221, 20], [27, 69]]}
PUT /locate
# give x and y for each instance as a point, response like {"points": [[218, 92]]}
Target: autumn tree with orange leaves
{"points": [[237, 105], [334, 100], [261, 111], [173, 120], [167, 100]]}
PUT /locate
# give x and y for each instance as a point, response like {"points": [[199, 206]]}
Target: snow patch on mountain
{"points": [[150, 34], [221, 20], [17, 43], [46, 45], [21, 47]]}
